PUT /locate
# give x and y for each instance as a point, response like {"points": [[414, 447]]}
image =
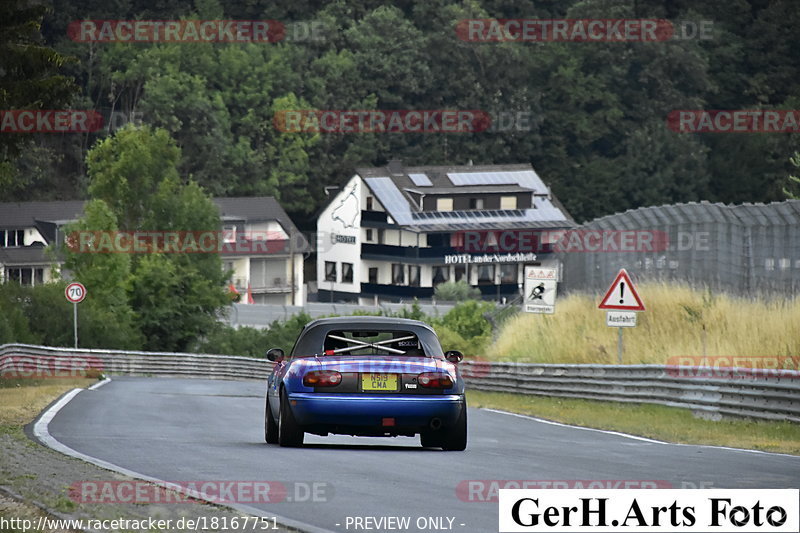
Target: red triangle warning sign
{"points": [[622, 295]]}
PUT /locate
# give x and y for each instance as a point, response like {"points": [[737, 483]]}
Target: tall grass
{"points": [[673, 325]]}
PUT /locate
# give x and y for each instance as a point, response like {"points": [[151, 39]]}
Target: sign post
{"points": [[539, 294], [621, 302], [75, 293]]}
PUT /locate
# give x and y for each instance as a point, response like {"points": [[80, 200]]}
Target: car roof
{"points": [[361, 320], [313, 335]]}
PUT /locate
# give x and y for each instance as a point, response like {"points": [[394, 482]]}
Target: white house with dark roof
{"points": [[266, 249], [394, 233]]}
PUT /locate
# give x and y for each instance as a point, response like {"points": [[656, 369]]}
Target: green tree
{"points": [[14, 323], [109, 319], [175, 296], [29, 79]]}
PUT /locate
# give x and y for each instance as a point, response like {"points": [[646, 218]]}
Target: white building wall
{"points": [[341, 221], [32, 235]]}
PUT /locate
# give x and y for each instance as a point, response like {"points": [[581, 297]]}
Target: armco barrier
{"points": [[28, 359], [710, 393]]}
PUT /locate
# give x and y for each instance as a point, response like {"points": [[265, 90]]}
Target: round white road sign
{"points": [[75, 292]]}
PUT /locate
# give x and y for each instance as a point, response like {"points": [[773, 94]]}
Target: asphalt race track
{"points": [[202, 430]]}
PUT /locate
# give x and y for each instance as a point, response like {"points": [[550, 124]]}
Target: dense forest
{"points": [[597, 132]]}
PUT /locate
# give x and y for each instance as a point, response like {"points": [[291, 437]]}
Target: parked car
{"points": [[366, 376]]}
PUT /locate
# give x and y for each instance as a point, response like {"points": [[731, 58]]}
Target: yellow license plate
{"points": [[379, 382]]}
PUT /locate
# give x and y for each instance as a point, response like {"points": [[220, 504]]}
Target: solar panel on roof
{"points": [[524, 178], [421, 180], [391, 199], [398, 207]]}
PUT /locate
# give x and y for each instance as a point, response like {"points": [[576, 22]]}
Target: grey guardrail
{"points": [[709, 392], [26, 360]]}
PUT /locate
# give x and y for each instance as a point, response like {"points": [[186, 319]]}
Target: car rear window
{"points": [[361, 342]]}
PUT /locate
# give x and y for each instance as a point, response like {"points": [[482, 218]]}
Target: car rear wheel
{"points": [[289, 433], [430, 439], [456, 438], [270, 426]]}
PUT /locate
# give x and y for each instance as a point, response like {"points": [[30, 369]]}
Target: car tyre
{"points": [[455, 439], [270, 426], [430, 439], [289, 433]]}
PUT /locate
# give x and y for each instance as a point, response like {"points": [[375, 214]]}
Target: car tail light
{"points": [[435, 380], [322, 378]]}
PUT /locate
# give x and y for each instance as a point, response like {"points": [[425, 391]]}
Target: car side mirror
{"points": [[275, 354], [454, 356]]}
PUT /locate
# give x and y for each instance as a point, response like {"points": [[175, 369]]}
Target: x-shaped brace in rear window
{"points": [[363, 344]]}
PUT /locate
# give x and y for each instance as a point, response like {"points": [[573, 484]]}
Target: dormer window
{"points": [[229, 234], [476, 203], [444, 204], [12, 238], [508, 202]]}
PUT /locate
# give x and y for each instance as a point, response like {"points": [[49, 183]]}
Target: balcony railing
{"points": [[258, 286], [406, 252]]}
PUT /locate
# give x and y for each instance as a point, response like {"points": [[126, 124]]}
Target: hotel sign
{"points": [[464, 259], [343, 239]]}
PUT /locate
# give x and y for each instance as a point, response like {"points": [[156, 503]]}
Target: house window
{"points": [[381, 236], [370, 207], [485, 274], [229, 234], [369, 235], [347, 272], [461, 272], [439, 274], [476, 203], [26, 275], [14, 237], [398, 274], [413, 275], [508, 202], [373, 275], [330, 271], [508, 273], [444, 204]]}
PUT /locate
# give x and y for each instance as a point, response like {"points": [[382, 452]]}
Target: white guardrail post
{"points": [[709, 392]]}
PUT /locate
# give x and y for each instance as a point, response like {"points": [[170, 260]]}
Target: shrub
{"points": [[456, 291], [467, 319], [252, 342]]}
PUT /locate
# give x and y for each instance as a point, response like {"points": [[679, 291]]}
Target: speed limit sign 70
{"points": [[75, 292]]}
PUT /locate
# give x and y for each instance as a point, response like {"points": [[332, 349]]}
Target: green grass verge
{"points": [[21, 400], [670, 424], [679, 321]]}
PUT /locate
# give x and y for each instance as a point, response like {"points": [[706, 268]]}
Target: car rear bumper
{"points": [[370, 410]]}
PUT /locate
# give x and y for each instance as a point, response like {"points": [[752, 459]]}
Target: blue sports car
{"points": [[366, 376]]}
